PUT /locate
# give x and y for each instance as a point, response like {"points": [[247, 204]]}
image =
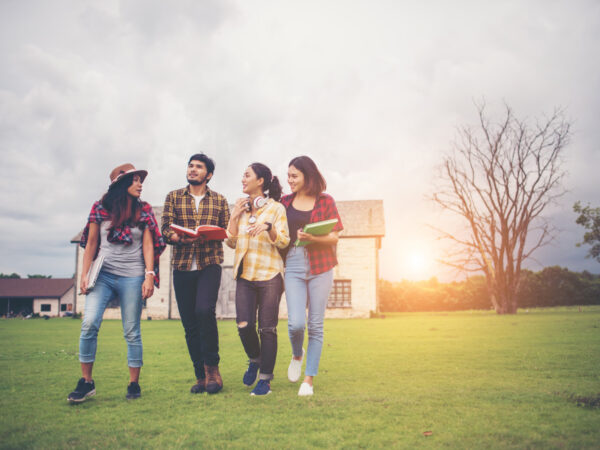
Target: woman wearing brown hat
{"points": [[123, 232]]}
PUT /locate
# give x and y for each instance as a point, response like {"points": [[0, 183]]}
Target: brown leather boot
{"points": [[199, 387], [214, 382]]}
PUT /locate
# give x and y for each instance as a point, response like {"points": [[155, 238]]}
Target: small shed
{"points": [[52, 297]]}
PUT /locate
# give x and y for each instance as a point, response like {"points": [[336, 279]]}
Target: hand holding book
{"points": [[205, 232], [315, 229], [88, 281]]}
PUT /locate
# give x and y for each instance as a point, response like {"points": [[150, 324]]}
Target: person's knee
{"points": [[244, 329], [315, 329], [88, 329], [295, 328], [131, 334], [267, 331]]}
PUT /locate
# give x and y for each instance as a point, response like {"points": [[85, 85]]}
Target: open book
{"points": [[317, 229], [208, 232]]}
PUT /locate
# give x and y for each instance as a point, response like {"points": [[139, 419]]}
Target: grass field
{"points": [[472, 379]]}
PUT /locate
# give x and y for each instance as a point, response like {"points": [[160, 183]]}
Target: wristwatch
{"points": [[269, 226]]}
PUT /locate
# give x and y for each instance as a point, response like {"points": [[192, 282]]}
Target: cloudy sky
{"points": [[372, 90]]}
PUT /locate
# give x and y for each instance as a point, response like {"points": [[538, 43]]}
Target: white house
{"points": [[354, 293], [50, 297]]}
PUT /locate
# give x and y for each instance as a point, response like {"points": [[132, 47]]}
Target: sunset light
{"points": [[418, 264]]}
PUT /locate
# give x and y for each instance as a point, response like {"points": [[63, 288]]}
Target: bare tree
{"points": [[499, 178]]}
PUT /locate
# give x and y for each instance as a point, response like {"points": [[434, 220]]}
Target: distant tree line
{"points": [[552, 286], [16, 275]]}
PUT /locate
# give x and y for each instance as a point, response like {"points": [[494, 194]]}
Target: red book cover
{"points": [[208, 232]]}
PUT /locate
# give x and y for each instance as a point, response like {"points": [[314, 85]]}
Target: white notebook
{"points": [[94, 271]]}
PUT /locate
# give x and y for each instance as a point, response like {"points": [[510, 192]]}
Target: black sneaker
{"points": [[133, 391], [82, 391]]}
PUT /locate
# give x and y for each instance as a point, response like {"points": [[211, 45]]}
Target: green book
{"points": [[317, 229]]}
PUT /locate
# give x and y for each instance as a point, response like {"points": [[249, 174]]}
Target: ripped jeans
{"points": [[264, 297]]}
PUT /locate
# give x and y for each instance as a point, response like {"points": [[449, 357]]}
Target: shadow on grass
{"points": [[589, 401]]}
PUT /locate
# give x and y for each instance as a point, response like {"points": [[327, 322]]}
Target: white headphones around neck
{"points": [[259, 202]]}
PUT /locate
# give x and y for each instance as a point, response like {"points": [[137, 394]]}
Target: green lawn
{"points": [[474, 379]]}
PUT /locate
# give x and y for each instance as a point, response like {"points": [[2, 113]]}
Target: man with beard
{"points": [[197, 268]]}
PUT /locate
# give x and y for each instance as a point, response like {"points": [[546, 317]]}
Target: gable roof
{"points": [[35, 287], [361, 218]]}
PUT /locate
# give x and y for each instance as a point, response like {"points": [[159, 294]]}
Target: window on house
{"points": [[45, 307], [341, 294], [63, 307]]}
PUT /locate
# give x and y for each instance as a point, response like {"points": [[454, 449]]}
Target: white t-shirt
{"points": [[197, 200]]}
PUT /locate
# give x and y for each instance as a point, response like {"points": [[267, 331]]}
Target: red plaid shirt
{"points": [[122, 235], [322, 257]]}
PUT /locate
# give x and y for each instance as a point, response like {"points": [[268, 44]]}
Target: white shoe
{"points": [[305, 390], [295, 368]]}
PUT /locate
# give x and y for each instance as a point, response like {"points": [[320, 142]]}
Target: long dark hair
{"points": [[313, 180], [122, 207], [271, 185]]}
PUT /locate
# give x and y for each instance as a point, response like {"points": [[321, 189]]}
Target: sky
{"points": [[373, 91]]}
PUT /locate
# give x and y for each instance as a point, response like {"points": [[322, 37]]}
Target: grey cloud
{"points": [[157, 20]]}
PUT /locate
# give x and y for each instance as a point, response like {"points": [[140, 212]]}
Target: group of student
{"points": [[262, 227]]}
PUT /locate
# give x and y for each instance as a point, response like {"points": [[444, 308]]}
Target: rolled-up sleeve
{"points": [[281, 227]]}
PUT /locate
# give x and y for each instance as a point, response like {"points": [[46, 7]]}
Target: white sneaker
{"points": [[295, 368], [305, 390]]}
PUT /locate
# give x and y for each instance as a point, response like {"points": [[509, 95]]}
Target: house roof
{"points": [[361, 218], [34, 287]]}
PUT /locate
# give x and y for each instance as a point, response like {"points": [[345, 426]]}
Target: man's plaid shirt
{"points": [[259, 255], [322, 257], [180, 209]]}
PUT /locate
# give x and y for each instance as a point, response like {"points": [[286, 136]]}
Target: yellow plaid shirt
{"points": [[180, 209], [261, 259]]}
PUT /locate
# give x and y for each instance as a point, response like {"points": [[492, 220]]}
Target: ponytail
{"points": [[275, 189], [271, 186]]}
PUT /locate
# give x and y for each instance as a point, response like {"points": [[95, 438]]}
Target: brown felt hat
{"points": [[126, 169]]}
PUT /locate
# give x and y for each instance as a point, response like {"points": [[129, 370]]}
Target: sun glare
{"points": [[417, 264]]}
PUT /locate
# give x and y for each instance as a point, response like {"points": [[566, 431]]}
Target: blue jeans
{"points": [[301, 290], [129, 291]]}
